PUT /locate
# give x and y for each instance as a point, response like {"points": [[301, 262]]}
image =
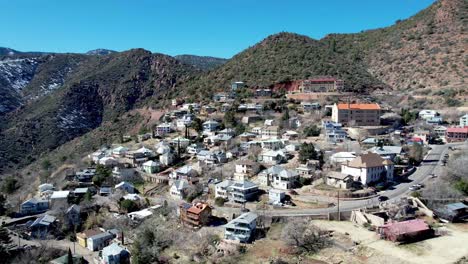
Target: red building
{"points": [[456, 134], [406, 230], [195, 215]]}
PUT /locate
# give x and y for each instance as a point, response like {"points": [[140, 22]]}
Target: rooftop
{"points": [[345, 106], [368, 160]]}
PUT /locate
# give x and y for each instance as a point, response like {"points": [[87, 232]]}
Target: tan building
{"points": [[356, 114], [321, 85]]}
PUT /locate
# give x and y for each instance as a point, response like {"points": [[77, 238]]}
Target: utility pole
{"points": [[338, 206]]}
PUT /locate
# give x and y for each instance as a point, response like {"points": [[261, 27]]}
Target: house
{"points": [[180, 142], [269, 122], [290, 135], [143, 214], [115, 254], [208, 109], [453, 212], [263, 92], [387, 152], [96, 156], [42, 226], [73, 215], [119, 151], [440, 131], [370, 142], [166, 159], [34, 206], [272, 144], [194, 148], [195, 215], [337, 135], [247, 136], [456, 134], [270, 132], [185, 172], [273, 156], [307, 170], [144, 137], [179, 188], [242, 191], [210, 126], [225, 107], [464, 121], [125, 186], [105, 191], [191, 107], [276, 196], [368, 168], [437, 120], [212, 157], [81, 192], [99, 241], [428, 114], [123, 173], [245, 168], [220, 97], [405, 231], [228, 132], [356, 114], [45, 187], [145, 151], [162, 147], [237, 85], [307, 106], [251, 119], [82, 237], [85, 175], [108, 161], [222, 189], [185, 121], [339, 180], [151, 166], [279, 178], [59, 195], [64, 259], [242, 228], [321, 85]]}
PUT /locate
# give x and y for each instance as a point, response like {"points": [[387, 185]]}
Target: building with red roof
{"points": [[356, 114], [405, 231], [456, 134], [321, 85], [195, 215]]}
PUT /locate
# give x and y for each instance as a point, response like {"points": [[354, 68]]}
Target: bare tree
{"points": [[307, 238]]}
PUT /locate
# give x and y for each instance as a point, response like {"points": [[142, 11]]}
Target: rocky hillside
{"points": [[100, 89], [427, 50], [204, 63]]}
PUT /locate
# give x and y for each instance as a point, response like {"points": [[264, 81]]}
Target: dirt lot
{"points": [[444, 249], [371, 249]]}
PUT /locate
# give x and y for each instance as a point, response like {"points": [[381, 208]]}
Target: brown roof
{"points": [[89, 233], [197, 208], [368, 160], [346, 106]]}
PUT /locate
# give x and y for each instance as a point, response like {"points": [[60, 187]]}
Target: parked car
{"points": [[383, 198], [414, 188], [433, 175]]}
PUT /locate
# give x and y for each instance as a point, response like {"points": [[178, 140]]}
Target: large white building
{"points": [[464, 121], [369, 168]]}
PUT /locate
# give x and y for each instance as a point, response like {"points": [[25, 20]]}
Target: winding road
{"points": [[430, 165]]}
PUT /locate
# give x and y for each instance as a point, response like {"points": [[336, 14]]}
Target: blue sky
{"points": [[219, 28]]}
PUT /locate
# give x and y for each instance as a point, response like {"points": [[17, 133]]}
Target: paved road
{"points": [[429, 165]]}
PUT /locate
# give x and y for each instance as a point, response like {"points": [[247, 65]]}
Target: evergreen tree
{"points": [[5, 240]]}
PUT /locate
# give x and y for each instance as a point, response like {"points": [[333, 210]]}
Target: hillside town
{"points": [[227, 173]]}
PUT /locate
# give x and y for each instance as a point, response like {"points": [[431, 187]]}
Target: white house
{"points": [[151, 166], [184, 121], [387, 152], [427, 114], [342, 157], [278, 177], [166, 159], [221, 189], [440, 131], [276, 196], [108, 161], [125, 186], [368, 168], [464, 121], [178, 188], [120, 151], [210, 126], [163, 129], [273, 156]]}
